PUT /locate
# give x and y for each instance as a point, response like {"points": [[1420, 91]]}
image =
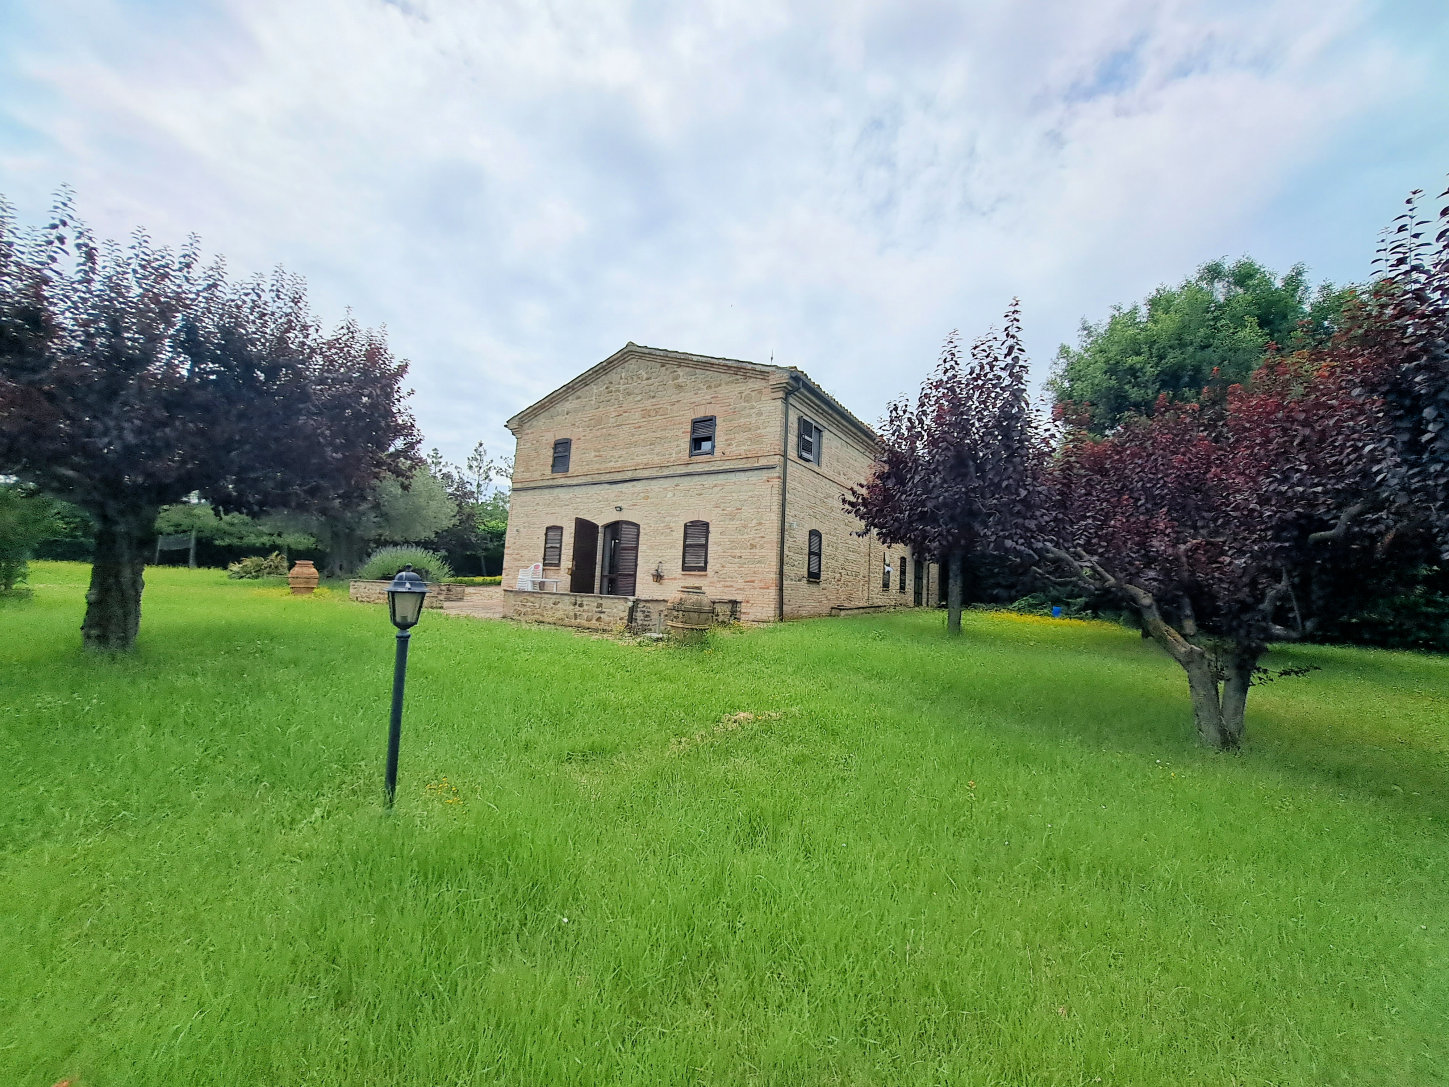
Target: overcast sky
{"points": [[517, 189]]}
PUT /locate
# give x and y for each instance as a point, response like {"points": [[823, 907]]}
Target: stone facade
{"points": [[628, 423], [592, 611]]}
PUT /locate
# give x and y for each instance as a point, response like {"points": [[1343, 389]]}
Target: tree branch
{"points": [[1340, 530]]}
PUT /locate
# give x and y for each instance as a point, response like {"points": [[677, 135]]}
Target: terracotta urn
{"points": [[303, 577]]}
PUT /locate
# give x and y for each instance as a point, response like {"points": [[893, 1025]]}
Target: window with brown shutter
{"points": [[553, 545], [696, 547], [812, 561], [561, 450], [901, 573], [885, 571], [701, 436], [808, 440]]}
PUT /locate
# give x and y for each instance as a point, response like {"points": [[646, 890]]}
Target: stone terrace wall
{"points": [[591, 611], [375, 592]]}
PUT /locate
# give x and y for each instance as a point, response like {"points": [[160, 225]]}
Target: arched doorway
{"points": [[620, 563]]}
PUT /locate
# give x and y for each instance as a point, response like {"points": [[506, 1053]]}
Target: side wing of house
{"points": [[828, 563]]}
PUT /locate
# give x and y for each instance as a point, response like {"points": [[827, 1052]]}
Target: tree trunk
{"points": [[955, 577], [1207, 708], [344, 553], [1218, 706], [113, 602], [1235, 695]]}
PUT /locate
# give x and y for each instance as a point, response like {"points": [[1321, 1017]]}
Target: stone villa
{"points": [[659, 469]]}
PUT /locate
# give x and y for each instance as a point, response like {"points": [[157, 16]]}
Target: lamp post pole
{"points": [[394, 731], [405, 598]]}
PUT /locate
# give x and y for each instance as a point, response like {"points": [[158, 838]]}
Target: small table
{"points": [[540, 584]]}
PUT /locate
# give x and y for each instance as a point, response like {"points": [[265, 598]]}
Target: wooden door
{"points": [[586, 556], [621, 558], [920, 594]]}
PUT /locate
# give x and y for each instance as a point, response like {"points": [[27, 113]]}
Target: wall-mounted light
{"points": [[658, 574], [618, 509]]}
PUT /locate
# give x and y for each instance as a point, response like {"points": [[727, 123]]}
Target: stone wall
{"points": [[742, 510], [592, 611], [851, 566], [588, 611], [637, 414], [375, 592]]}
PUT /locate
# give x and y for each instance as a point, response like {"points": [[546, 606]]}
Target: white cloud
{"points": [[516, 189]]}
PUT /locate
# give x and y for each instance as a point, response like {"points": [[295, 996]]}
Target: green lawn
{"points": [[999, 860]]}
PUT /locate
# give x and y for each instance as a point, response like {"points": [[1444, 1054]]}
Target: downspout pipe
{"points": [[791, 385]]}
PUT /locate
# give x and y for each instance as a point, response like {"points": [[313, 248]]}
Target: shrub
{"points": [[1418, 619], [387, 561], [255, 566], [475, 581]]}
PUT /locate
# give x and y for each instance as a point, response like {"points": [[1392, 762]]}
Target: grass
{"points": [[832, 852]]}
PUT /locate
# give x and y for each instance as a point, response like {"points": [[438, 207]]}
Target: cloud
{"points": [[516, 189]]}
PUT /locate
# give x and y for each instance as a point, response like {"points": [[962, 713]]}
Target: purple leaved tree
{"points": [[131, 377], [959, 474]]}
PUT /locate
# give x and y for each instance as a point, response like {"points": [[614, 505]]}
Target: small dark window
{"points": [[701, 437], [561, 450], [812, 560], [696, 546], [553, 545], [885, 571], [808, 441], [901, 574]]}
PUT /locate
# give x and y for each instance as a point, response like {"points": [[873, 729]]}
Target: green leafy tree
{"points": [[268, 532], [26, 518], [411, 510], [1220, 320], [482, 500]]}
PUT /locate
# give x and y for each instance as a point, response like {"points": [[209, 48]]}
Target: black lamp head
{"points": [[405, 595]]}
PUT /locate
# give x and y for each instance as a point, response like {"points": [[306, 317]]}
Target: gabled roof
{"points": [[703, 362]]}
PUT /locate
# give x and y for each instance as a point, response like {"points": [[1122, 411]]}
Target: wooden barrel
{"points": [[691, 614]]}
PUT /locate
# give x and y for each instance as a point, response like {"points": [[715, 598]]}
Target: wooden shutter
{"points": [[808, 440], [553, 545], [627, 559], [696, 547], [561, 450], [812, 561], [586, 556], [901, 573], [701, 436]]}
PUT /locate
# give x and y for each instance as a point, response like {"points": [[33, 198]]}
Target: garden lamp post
{"points": [[405, 597]]}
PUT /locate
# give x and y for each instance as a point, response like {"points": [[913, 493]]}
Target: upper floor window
{"points": [[812, 557], [561, 450], [696, 547], [808, 440], [885, 571], [701, 436], [553, 545]]}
